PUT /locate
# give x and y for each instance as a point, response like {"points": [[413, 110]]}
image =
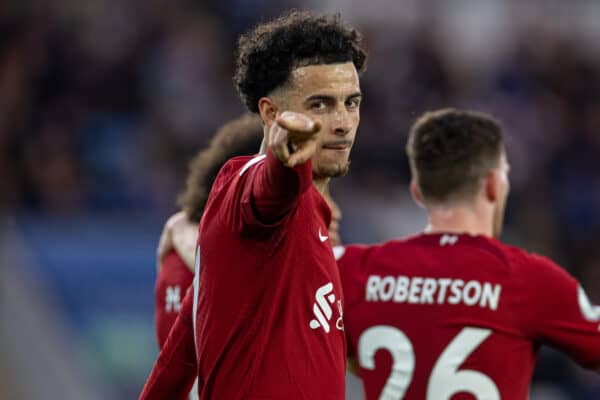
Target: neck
{"points": [[459, 219], [263, 146], [321, 184]]}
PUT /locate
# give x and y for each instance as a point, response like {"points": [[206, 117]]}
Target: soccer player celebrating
{"points": [[454, 313], [177, 246], [269, 305]]}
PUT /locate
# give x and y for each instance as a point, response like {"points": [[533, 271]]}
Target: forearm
{"points": [[276, 188], [174, 371]]}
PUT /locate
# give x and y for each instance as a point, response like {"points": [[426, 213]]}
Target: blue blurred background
{"points": [[102, 103]]}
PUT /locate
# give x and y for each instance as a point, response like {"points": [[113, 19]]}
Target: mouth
{"points": [[338, 146]]}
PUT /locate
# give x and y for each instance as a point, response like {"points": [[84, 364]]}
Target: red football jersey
{"points": [[172, 282], [443, 316], [269, 305], [270, 320]]}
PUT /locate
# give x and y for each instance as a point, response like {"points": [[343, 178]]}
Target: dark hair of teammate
{"points": [[241, 136], [268, 54], [450, 152]]}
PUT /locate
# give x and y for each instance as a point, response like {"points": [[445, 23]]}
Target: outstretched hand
{"points": [[292, 138]]}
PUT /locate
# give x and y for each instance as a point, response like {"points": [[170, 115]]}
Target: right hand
{"points": [[293, 138]]}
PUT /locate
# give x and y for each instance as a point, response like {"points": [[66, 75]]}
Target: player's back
{"points": [[444, 316], [175, 253], [172, 282]]}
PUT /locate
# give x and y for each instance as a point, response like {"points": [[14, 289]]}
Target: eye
{"points": [[353, 103], [318, 105]]}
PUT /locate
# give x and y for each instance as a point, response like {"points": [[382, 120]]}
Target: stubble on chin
{"points": [[332, 171]]}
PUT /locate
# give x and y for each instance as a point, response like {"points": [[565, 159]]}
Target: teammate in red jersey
{"points": [[453, 313], [177, 246], [269, 304]]}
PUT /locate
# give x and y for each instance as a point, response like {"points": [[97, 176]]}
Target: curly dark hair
{"points": [[268, 54], [450, 152], [241, 136]]}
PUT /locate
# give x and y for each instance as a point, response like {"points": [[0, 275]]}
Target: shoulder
{"points": [[538, 273], [532, 262], [172, 262], [178, 234], [357, 259], [174, 271], [347, 255], [238, 165], [391, 248], [233, 169], [363, 253]]}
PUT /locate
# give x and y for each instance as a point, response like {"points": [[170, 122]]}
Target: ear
{"points": [[416, 193], [492, 186], [268, 110]]}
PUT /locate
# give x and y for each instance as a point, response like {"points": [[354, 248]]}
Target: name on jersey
{"points": [[420, 290]]}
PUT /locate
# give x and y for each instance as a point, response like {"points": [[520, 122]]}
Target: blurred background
{"points": [[102, 103]]}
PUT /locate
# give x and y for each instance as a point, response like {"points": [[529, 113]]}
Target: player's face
{"points": [[330, 94], [503, 190]]}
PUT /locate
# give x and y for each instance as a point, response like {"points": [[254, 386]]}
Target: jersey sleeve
{"points": [[557, 312], [264, 192], [174, 371], [172, 282]]}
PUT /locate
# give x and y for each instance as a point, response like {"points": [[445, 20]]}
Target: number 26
{"points": [[445, 380]]}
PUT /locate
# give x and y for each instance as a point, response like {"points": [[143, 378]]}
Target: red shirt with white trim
{"points": [[443, 316], [269, 322]]}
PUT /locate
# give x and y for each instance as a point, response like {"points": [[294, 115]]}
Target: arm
{"points": [[277, 188], [174, 371], [276, 185], [560, 313]]}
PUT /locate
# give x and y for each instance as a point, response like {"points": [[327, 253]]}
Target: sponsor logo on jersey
{"points": [[322, 310], [173, 299], [590, 312], [422, 290]]}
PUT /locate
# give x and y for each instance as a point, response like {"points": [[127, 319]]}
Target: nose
{"points": [[342, 121]]}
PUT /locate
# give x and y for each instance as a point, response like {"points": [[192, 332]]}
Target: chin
{"points": [[332, 171]]}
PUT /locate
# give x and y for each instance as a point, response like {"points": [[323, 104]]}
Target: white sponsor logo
{"points": [[590, 312], [321, 237], [322, 310], [448, 239], [173, 299]]}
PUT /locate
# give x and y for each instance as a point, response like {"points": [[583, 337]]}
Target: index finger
{"points": [[298, 123]]}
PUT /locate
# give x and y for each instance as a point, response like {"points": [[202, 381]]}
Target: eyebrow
{"points": [[325, 97]]}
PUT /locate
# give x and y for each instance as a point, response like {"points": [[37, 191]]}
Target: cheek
{"points": [[355, 121]]}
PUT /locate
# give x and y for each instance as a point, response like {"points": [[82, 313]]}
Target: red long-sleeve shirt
{"points": [[269, 303]]}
